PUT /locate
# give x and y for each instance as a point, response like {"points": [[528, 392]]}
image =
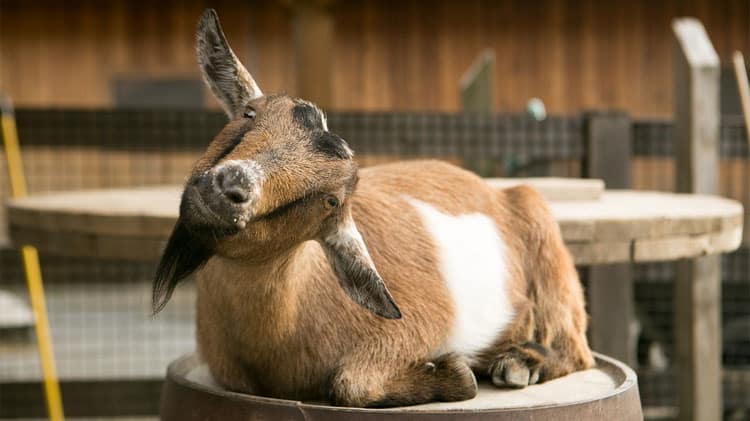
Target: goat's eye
{"points": [[250, 113], [331, 202]]}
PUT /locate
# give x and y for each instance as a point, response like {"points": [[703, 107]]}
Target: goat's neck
{"points": [[264, 295]]}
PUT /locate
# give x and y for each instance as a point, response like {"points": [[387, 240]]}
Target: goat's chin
{"points": [[209, 233]]}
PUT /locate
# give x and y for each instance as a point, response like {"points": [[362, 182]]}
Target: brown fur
{"points": [[273, 318]]}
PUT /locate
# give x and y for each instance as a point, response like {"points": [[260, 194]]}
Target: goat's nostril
{"points": [[237, 195], [234, 183]]}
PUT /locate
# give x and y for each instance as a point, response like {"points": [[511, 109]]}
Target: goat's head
{"points": [[273, 178]]}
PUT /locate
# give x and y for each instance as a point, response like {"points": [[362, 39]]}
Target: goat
{"points": [[394, 285]]}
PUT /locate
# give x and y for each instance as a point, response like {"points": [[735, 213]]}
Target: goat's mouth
{"points": [[209, 220]]}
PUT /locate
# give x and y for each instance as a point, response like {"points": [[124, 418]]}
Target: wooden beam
{"points": [[312, 23], [743, 89], [608, 138], [698, 281]]}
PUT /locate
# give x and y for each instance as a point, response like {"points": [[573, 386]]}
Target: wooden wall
{"points": [[388, 55]]}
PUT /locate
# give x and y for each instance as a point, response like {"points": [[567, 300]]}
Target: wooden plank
{"points": [[612, 327], [698, 338], [698, 281], [672, 248], [608, 138], [601, 253]]}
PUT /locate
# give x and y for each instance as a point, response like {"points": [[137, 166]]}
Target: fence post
{"points": [[698, 281], [608, 145]]}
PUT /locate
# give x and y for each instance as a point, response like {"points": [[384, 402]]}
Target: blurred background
{"points": [[381, 55], [108, 94]]}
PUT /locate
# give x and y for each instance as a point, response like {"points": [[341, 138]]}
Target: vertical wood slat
{"points": [[312, 24], [698, 281], [608, 137]]}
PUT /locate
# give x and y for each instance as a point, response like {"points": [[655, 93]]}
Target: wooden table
{"points": [[616, 226]]}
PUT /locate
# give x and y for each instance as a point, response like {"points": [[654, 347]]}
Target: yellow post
{"points": [[31, 266]]}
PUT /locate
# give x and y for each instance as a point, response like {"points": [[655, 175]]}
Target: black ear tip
{"points": [[210, 13], [389, 311], [209, 19], [393, 314]]}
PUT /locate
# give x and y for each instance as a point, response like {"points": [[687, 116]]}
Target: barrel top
{"points": [[617, 226], [609, 383]]}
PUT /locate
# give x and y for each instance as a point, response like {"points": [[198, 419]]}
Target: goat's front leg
{"points": [[447, 378], [522, 365]]}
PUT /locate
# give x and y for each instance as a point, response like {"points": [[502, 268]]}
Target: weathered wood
{"points": [[672, 248], [475, 86], [612, 310], [608, 139], [696, 108], [698, 281], [698, 338]]}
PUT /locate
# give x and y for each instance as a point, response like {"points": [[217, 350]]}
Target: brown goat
{"points": [[393, 285]]}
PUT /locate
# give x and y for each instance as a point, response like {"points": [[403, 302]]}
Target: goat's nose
{"points": [[234, 184]]}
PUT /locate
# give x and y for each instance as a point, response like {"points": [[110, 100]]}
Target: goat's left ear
{"points": [[225, 75], [350, 260]]}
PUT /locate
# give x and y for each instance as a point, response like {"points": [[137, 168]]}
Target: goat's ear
{"points": [[225, 75], [182, 256], [350, 260]]}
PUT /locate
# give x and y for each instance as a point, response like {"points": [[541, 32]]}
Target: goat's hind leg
{"points": [[447, 378]]}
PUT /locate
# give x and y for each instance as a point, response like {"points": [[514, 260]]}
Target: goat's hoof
{"points": [[458, 382], [510, 371]]}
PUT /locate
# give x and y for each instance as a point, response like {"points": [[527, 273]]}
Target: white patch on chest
{"points": [[473, 263]]}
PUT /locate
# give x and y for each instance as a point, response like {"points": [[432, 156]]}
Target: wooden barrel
{"points": [[607, 392]]}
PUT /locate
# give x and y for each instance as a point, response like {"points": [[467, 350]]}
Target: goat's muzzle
{"points": [[219, 202]]}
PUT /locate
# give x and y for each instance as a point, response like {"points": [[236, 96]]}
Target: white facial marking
{"points": [[324, 120], [473, 264]]}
